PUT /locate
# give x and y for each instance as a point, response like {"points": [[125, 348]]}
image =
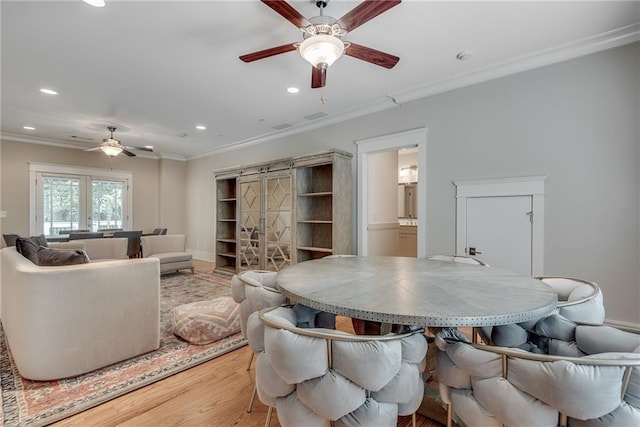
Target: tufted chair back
{"points": [[495, 386], [318, 376], [580, 302], [255, 290]]}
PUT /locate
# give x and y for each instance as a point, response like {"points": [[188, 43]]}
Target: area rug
{"points": [[36, 403]]}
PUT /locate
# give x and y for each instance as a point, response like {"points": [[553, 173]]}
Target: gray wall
{"points": [[576, 122]]}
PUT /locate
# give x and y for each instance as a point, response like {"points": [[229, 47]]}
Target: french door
{"points": [[80, 202]]}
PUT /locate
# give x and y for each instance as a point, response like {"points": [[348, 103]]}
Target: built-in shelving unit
{"points": [[317, 223], [226, 224]]}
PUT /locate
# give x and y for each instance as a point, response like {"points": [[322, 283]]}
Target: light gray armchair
{"points": [[316, 376], [494, 386], [254, 290]]}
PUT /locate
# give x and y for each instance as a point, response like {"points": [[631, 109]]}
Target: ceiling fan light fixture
{"points": [[321, 50], [111, 147]]}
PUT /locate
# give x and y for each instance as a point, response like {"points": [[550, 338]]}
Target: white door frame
{"points": [[395, 141], [533, 186]]}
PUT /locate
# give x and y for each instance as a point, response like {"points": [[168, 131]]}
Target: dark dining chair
{"points": [[134, 249], [76, 236], [10, 239], [159, 231]]}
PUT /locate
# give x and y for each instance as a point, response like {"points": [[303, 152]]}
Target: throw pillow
{"points": [[58, 257], [28, 248], [40, 240]]}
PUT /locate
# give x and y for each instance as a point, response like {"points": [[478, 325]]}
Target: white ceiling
{"points": [[155, 69]]}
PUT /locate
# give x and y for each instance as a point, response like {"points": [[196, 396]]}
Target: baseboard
{"points": [[203, 255], [625, 326]]}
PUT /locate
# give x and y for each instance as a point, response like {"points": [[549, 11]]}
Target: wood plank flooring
{"points": [[215, 393]]}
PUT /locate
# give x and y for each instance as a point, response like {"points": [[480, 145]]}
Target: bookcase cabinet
{"points": [[274, 214]]}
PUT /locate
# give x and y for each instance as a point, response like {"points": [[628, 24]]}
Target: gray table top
{"points": [[417, 291]]}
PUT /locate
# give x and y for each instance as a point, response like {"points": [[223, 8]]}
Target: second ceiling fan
{"points": [[322, 41]]}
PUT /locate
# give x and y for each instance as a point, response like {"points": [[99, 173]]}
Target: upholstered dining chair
{"points": [[134, 249], [579, 300], [254, 290], [319, 376], [490, 386]]}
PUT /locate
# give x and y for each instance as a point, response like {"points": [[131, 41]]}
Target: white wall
{"points": [[576, 122]]}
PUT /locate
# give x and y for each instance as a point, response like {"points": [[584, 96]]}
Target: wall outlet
{"points": [[3, 214]]}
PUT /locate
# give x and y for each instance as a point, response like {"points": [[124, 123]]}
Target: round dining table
{"points": [[416, 291]]}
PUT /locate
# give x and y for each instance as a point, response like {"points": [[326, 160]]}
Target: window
{"points": [[68, 198]]}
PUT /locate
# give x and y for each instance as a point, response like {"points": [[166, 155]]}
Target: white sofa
{"points": [[64, 321], [170, 250]]}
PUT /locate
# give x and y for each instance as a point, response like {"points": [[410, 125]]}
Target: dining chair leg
{"points": [[449, 415], [268, 421], [413, 419], [253, 397], [250, 360]]}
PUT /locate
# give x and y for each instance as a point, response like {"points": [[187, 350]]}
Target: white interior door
{"points": [[499, 231]]}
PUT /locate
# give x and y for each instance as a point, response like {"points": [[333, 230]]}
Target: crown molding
{"points": [[583, 47], [608, 40]]}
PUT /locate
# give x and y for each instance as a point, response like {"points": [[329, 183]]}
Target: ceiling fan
{"points": [[112, 147], [322, 41]]}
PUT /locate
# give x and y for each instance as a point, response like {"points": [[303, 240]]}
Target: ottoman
{"points": [[204, 322]]}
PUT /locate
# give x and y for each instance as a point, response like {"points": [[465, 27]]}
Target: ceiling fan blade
{"points": [[318, 77], [365, 11], [373, 56], [287, 11], [250, 57], [92, 149], [129, 147], [127, 152]]}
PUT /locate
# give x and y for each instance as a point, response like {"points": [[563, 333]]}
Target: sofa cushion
{"points": [[168, 257], [59, 257], [28, 248], [204, 322]]}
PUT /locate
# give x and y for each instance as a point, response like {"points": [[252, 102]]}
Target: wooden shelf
{"points": [[227, 240], [227, 200], [226, 254], [227, 220], [321, 194], [314, 249]]}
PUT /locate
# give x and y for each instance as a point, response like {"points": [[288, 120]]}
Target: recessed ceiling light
{"points": [[293, 89], [96, 3], [150, 147], [28, 127], [200, 127], [48, 91]]}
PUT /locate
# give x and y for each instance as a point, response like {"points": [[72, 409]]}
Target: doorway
{"points": [[501, 222], [393, 142]]}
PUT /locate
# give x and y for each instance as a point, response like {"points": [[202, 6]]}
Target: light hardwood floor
{"points": [[215, 393]]}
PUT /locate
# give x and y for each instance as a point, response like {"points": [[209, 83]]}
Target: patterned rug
{"points": [[36, 403]]}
